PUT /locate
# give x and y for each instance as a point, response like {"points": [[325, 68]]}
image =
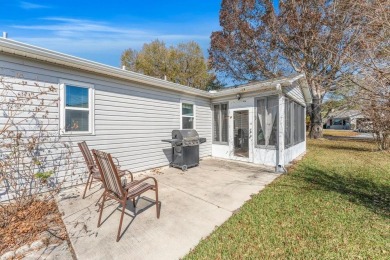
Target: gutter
{"points": [[274, 84]]}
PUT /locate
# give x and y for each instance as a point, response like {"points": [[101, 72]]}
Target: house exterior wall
{"points": [[351, 123], [259, 155], [293, 152], [130, 119]]}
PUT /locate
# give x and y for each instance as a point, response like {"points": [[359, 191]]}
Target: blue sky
{"points": [[100, 31]]}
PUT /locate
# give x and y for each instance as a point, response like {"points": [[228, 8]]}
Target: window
{"points": [[187, 116], [76, 108], [294, 123], [337, 121], [267, 121], [220, 123]]}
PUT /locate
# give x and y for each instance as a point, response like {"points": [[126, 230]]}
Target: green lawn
{"points": [[334, 204]]}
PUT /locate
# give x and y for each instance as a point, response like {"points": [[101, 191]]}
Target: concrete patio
{"points": [[192, 205]]}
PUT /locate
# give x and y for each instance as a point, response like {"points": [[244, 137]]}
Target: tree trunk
{"points": [[315, 130]]}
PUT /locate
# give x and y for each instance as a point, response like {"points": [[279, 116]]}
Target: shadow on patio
{"points": [[194, 203]]}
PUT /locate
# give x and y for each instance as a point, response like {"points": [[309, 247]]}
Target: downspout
{"points": [[280, 151]]}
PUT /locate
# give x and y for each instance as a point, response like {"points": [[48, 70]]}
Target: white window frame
{"points": [[90, 109], [220, 123], [181, 113]]}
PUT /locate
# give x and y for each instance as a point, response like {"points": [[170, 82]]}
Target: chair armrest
{"points": [[154, 179], [117, 161], [129, 172]]}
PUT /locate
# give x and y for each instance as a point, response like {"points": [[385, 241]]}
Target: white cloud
{"points": [[87, 38], [98, 34], [28, 6]]}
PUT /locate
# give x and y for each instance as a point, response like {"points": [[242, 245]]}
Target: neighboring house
{"points": [[346, 119], [128, 114]]}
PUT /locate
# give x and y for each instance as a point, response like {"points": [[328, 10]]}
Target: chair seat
{"points": [[135, 188]]}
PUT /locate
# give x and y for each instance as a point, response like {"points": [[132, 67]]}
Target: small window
{"points": [[220, 123], [76, 108], [267, 121], [188, 116]]}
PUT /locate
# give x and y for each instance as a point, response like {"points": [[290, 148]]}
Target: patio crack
{"points": [[199, 198]]}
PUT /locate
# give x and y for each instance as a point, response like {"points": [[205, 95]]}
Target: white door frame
{"points": [[240, 106]]}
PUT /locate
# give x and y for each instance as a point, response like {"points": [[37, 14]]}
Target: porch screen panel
{"points": [[287, 129], [260, 135], [216, 123], [300, 123], [296, 123], [224, 122], [272, 120]]}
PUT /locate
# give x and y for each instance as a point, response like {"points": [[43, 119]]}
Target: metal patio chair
{"points": [[93, 170], [114, 189]]}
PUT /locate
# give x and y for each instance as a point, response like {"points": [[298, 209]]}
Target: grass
{"points": [[333, 204]]}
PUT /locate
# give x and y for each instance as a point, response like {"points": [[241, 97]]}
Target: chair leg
{"points": [[97, 202], [90, 184], [157, 207], [120, 223], [134, 202], [101, 209], [86, 185]]}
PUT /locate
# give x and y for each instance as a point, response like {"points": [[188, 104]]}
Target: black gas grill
{"points": [[185, 148]]}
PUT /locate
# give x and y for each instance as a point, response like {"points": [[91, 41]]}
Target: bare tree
{"points": [[31, 152], [321, 38], [375, 102], [369, 88]]}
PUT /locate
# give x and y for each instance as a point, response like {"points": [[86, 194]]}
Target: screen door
{"points": [[241, 133]]}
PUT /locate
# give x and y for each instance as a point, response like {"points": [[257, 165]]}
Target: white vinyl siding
{"points": [[294, 92], [130, 119]]}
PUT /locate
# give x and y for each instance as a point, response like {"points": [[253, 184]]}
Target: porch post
{"points": [[280, 151]]}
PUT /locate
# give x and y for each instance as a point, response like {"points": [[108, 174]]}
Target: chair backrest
{"points": [[109, 173], [87, 155]]}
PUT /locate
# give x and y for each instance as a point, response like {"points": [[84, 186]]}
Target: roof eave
{"points": [[45, 55], [33, 52]]}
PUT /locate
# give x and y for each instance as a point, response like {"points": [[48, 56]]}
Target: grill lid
{"points": [[189, 134]]}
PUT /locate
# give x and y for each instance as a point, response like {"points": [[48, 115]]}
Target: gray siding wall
{"points": [[294, 91], [130, 119]]}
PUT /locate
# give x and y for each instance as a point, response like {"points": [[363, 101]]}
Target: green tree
{"points": [[129, 58], [184, 64], [153, 59]]}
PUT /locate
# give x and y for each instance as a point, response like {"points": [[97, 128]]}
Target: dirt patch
{"points": [[27, 224]]}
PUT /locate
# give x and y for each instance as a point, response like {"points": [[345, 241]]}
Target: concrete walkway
{"points": [[192, 205]]}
